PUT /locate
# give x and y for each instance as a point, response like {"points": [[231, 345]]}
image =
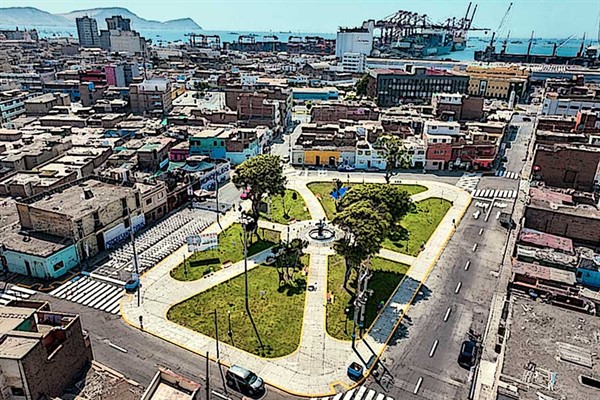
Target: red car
{"points": [[245, 194]]}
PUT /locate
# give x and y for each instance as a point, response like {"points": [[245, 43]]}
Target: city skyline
{"points": [[558, 19]]}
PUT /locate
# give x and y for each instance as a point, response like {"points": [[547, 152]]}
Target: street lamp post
{"points": [[248, 222]]}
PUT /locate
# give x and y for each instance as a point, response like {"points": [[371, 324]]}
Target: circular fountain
{"points": [[321, 233]]}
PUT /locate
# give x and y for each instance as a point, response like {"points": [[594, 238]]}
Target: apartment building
{"points": [[152, 97], [392, 87], [95, 214], [42, 351]]}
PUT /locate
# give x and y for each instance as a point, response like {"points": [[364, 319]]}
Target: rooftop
{"points": [[72, 200], [560, 202], [548, 350], [542, 239]]}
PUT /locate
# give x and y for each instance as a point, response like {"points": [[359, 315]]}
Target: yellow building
{"points": [[316, 156], [497, 82]]}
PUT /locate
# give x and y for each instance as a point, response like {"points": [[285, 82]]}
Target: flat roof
{"points": [[36, 244], [542, 239], [542, 272], [71, 201], [543, 349]]}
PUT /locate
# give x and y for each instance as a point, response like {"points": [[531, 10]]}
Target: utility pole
{"points": [[135, 257], [217, 201], [207, 377], [217, 334]]}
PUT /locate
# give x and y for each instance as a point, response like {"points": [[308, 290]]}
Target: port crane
{"points": [[206, 41], [403, 24]]}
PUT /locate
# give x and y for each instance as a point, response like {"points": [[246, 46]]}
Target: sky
{"points": [[548, 18]]}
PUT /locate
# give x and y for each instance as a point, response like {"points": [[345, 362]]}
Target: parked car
{"points": [[244, 381], [526, 119], [345, 168], [468, 353]]}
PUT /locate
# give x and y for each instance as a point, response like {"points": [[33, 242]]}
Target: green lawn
{"points": [[323, 192], [230, 249], [296, 209], [420, 225], [386, 277], [277, 312]]}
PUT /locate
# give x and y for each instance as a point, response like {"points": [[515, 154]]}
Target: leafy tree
{"points": [[395, 153], [391, 201], [261, 176], [287, 259], [369, 213], [365, 228], [361, 85]]}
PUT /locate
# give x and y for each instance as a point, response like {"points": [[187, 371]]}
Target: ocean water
{"points": [[540, 46]]}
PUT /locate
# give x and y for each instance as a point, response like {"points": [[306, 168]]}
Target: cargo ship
{"points": [[409, 34], [586, 56]]}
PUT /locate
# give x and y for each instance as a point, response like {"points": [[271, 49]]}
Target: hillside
{"points": [[31, 17], [136, 22]]}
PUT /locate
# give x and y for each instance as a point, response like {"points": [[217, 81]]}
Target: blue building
{"points": [[44, 257], [313, 94], [588, 271], [209, 142]]}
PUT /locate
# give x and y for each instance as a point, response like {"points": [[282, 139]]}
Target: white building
{"points": [[355, 40], [417, 151], [568, 107], [353, 62], [368, 157], [451, 128]]}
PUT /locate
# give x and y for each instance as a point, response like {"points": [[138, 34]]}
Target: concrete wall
{"points": [[567, 167], [51, 267], [50, 376], [580, 228]]}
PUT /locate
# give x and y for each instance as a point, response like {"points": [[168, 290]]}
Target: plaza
{"points": [[320, 358]]}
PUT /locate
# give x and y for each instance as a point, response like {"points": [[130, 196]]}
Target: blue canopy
{"points": [[338, 194]]}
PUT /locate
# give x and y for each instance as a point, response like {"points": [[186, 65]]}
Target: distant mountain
{"points": [[31, 17], [136, 22]]}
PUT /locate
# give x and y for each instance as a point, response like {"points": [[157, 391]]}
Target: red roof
{"points": [[542, 239]]}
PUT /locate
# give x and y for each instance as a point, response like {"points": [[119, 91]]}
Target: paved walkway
{"points": [[398, 257], [320, 361]]}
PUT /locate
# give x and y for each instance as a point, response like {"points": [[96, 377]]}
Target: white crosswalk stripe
{"points": [[469, 182], [507, 174], [92, 293], [14, 292], [361, 393], [495, 193]]}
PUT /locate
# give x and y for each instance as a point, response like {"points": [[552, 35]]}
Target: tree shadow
{"points": [[298, 286], [411, 292]]}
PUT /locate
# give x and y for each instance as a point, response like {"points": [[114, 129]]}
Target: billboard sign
{"points": [[202, 242]]}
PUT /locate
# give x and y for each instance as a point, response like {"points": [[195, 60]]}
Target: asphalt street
{"points": [[454, 301], [137, 355], [421, 361]]}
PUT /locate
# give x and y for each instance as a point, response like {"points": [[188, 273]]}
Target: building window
{"points": [[149, 201], [58, 266], [15, 391], [570, 176]]}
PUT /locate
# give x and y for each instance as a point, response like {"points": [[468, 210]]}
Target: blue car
{"points": [[132, 285]]}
